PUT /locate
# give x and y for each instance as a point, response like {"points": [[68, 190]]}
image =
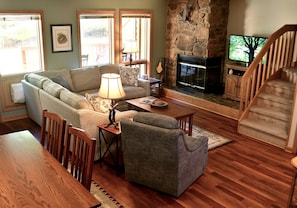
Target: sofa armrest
{"points": [[193, 144], [89, 119], [125, 114], [33, 105], [146, 85]]}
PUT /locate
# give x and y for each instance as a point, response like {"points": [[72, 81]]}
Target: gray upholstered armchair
{"points": [[158, 154]]}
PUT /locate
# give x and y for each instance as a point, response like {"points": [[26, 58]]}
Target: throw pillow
{"points": [[129, 76], [99, 104], [57, 78]]}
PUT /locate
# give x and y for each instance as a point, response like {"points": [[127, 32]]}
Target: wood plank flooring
{"points": [[244, 173]]}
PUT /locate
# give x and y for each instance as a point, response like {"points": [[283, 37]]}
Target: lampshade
{"points": [[130, 47], [111, 86]]}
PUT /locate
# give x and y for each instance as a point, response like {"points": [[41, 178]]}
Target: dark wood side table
{"points": [[114, 139], [155, 86]]}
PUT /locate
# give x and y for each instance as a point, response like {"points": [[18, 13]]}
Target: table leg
{"points": [[186, 124], [100, 147], [190, 125], [115, 158]]}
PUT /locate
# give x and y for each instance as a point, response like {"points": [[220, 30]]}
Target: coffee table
{"points": [[180, 113]]}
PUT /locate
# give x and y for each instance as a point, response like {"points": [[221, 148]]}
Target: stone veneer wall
{"points": [[197, 28]]}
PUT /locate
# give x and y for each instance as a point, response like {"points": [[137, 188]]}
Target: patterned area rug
{"points": [[214, 140], [107, 201]]}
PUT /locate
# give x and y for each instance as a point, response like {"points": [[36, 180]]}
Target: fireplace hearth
{"points": [[203, 74]]}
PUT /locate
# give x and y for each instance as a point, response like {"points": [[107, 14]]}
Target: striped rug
{"points": [[107, 201]]}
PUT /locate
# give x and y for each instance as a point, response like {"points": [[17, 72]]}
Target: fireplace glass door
{"points": [[192, 75]]}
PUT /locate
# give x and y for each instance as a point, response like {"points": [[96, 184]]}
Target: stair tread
{"points": [[259, 125], [265, 127], [271, 113], [275, 98], [281, 83]]}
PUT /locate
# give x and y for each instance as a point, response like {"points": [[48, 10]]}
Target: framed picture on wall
{"points": [[61, 38]]}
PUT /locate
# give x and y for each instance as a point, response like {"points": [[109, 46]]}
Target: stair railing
{"points": [[280, 50]]}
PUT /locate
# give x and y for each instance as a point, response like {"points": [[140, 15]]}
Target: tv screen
{"points": [[243, 48]]}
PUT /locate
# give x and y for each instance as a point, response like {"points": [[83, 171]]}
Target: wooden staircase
{"points": [[269, 117], [268, 101]]}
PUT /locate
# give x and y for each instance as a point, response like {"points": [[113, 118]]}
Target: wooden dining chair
{"points": [[52, 133], [79, 155], [292, 199]]}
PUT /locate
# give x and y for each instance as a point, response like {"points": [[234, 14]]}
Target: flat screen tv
{"points": [[243, 48]]}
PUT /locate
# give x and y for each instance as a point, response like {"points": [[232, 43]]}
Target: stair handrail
{"points": [[280, 50]]}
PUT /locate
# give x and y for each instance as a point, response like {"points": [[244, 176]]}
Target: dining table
{"points": [[31, 177]]}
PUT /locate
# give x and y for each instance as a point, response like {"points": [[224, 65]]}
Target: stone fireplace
{"points": [[195, 28]]}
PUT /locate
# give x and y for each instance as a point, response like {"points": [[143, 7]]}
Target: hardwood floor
{"points": [[244, 173]]}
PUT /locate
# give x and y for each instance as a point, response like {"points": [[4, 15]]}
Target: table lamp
{"points": [[130, 48], [111, 88]]}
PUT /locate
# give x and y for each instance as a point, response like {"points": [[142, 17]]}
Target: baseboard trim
{"points": [[13, 118]]}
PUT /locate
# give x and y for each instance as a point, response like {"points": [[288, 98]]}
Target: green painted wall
{"points": [[64, 12]]}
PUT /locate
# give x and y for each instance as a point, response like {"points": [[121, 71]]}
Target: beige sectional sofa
{"points": [[64, 91]]}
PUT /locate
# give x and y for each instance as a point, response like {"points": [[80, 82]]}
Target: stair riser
{"points": [[283, 92], [276, 106], [274, 122], [262, 136], [289, 76]]}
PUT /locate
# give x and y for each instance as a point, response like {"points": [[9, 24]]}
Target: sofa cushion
{"points": [[59, 79], [75, 100], [52, 88], [133, 92], [109, 68], [156, 120], [65, 73], [35, 79], [99, 104], [85, 79], [129, 76], [83, 93]]}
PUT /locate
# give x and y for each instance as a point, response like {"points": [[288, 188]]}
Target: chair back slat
{"points": [[79, 155], [52, 133]]}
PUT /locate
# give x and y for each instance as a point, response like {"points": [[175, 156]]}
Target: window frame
{"points": [[42, 36], [94, 12], [136, 13]]}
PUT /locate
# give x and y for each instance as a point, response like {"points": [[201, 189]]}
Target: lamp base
{"points": [[111, 118], [131, 59]]}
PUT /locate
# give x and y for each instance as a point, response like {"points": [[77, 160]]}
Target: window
{"points": [[135, 38], [21, 42], [96, 36]]}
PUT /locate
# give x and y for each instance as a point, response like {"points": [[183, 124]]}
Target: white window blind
{"points": [[96, 38], [21, 43]]}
